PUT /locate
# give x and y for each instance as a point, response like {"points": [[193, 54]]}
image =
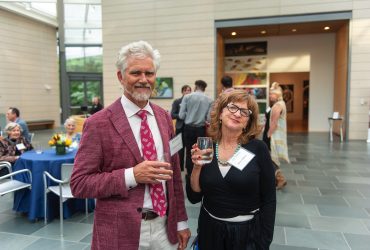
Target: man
{"points": [[193, 110], [227, 84], [186, 89], [140, 200], [13, 116], [97, 106], [227, 87], [274, 134]]}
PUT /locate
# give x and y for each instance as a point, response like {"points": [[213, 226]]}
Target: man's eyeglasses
{"points": [[243, 112]]}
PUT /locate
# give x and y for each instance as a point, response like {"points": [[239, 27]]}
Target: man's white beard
{"points": [[140, 96]]}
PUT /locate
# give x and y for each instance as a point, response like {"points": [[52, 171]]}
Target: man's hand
{"points": [[152, 172], [183, 237]]}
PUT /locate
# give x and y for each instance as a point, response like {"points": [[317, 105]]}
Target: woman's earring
{"points": [[220, 121]]}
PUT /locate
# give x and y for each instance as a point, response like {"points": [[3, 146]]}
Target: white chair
{"points": [[63, 190], [6, 164], [31, 136], [11, 185]]}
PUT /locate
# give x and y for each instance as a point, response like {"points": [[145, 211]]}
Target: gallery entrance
{"points": [[316, 45]]}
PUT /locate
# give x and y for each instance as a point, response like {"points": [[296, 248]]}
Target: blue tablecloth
{"points": [[32, 201]]}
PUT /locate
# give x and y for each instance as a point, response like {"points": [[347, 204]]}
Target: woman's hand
{"points": [[198, 154], [194, 178]]}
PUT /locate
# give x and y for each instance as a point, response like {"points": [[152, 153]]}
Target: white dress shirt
{"points": [[134, 120]]}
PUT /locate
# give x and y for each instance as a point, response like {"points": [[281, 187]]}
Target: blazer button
{"points": [[139, 209]]}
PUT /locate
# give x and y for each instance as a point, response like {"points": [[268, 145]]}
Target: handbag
{"points": [[194, 244]]}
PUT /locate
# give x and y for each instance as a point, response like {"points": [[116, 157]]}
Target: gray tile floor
{"points": [[326, 204]]}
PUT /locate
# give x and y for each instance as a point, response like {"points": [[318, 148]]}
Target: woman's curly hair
{"points": [[250, 131]]}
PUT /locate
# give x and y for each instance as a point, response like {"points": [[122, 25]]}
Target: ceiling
{"points": [[282, 29]]}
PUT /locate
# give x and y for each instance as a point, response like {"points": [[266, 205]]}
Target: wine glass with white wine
{"points": [[205, 144]]}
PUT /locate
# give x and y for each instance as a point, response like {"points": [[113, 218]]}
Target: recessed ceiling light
{"points": [[263, 31], [233, 33], [294, 30], [326, 28]]}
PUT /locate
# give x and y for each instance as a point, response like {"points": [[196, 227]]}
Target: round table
{"points": [[32, 201]]}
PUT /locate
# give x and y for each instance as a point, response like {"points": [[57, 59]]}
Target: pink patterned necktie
{"points": [[150, 153]]}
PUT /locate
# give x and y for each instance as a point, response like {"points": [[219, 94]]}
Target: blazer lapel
{"points": [[120, 123], [163, 127]]}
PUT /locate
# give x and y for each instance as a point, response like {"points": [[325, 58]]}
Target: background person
{"points": [[227, 84], [13, 115], [12, 146], [275, 132], [193, 110], [70, 127], [186, 89], [96, 105], [238, 206], [227, 87], [140, 200]]}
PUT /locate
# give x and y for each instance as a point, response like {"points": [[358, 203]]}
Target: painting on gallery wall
{"points": [[251, 78], [163, 88], [258, 93], [247, 63], [246, 49], [288, 96]]}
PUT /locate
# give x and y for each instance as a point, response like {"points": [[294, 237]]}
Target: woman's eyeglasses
{"points": [[243, 112]]}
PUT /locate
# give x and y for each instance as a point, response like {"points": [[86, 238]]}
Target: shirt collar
{"points": [[131, 108]]}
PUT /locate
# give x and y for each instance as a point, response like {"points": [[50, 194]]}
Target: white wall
{"points": [[182, 31], [360, 70], [306, 53], [28, 62]]}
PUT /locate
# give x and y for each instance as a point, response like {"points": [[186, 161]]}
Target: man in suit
{"points": [[96, 105], [13, 116], [186, 89], [117, 164]]}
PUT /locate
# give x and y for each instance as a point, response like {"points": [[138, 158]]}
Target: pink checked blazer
{"points": [[107, 148]]}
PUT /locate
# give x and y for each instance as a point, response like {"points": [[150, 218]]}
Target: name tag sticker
{"points": [[20, 146], [241, 158], [176, 144]]}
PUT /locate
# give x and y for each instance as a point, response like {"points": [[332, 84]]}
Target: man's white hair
{"points": [[140, 49]]}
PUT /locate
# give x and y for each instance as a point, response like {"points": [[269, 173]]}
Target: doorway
{"points": [[82, 88], [295, 86], [273, 29]]}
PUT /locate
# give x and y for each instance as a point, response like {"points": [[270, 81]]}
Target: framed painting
{"points": [[259, 93], [245, 63], [242, 79], [163, 88], [246, 49]]}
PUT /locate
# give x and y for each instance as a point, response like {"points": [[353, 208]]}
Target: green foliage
{"points": [[77, 93], [91, 64]]}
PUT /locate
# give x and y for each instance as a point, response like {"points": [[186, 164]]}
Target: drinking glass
{"points": [[165, 157], [205, 144], [37, 147]]}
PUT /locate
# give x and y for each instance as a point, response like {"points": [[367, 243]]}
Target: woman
{"points": [[238, 206], [274, 134], [14, 144], [70, 126]]}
